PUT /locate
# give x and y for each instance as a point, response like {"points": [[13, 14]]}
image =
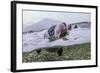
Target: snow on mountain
{"points": [[41, 25]]}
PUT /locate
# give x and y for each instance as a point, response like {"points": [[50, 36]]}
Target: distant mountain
{"points": [[47, 23], [41, 25]]}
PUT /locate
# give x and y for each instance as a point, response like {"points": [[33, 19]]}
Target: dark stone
{"points": [[38, 51], [69, 27], [76, 26], [60, 51], [30, 31]]}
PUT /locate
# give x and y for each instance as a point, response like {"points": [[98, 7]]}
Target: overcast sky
{"points": [[30, 17]]}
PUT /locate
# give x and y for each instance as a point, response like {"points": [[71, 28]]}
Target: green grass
{"points": [[75, 52]]}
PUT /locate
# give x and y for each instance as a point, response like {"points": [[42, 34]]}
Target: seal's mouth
{"points": [[63, 33]]}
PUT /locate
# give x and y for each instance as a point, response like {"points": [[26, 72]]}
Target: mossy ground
{"points": [[75, 52]]}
